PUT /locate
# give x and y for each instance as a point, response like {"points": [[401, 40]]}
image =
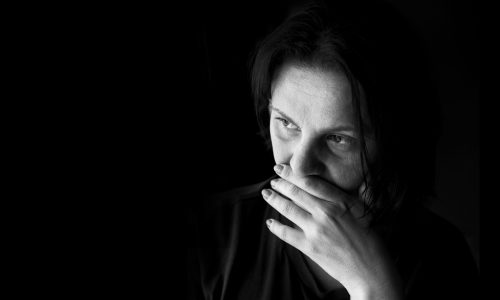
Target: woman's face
{"points": [[313, 126]]}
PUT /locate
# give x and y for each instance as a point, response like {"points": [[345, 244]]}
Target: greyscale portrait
{"points": [[330, 149], [258, 150]]}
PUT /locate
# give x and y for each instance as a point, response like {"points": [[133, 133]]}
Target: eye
{"points": [[340, 140], [287, 124]]}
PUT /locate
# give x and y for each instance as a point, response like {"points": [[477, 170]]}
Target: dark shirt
{"points": [[236, 257]]}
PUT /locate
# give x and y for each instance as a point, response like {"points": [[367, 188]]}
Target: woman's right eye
{"points": [[287, 124]]}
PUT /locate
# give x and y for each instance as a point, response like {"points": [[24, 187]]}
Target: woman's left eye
{"points": [[339, 139]]}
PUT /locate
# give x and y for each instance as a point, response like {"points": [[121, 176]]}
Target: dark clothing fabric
{"points": [[237, 257]]}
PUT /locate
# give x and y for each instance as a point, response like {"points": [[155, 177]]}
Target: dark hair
{"points": [[374, 48]]}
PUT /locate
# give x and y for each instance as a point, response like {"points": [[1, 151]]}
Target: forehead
{"points": [[314, 96]]}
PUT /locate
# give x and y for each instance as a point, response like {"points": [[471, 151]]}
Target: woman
{"points": [[343, 101]]}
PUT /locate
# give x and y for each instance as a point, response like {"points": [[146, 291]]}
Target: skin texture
{"points": [[315, 144], [319, 134]]}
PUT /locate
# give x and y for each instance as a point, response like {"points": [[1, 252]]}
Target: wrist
{"points": [[389, 290]]}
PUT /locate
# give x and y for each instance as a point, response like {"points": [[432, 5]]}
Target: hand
{"points": [[332, 232]]}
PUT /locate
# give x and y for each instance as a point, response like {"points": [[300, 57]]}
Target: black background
{"points": [[156, 114], [234, 154]]}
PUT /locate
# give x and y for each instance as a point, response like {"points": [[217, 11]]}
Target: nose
{"points": [[306, 160]]}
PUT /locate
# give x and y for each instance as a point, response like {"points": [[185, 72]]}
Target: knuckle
{"points": [[294, 190], [283, 235], [285, 172], [342, 208], [316, 231], [336, 209], [281, 232], [311, 248], [309, 183], [323, 216], [288, 208]]}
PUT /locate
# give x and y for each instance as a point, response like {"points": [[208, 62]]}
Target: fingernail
{"points": [[278, 169], [266, 193], [268, 222], [273, 183]]}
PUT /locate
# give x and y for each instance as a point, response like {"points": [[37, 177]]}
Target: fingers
{"points": [[286, 207], [315, 186], [304, 200], [287, 234], [324, 192]]}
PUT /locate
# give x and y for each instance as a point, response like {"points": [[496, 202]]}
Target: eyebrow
{"points": [[337, 128], [282, 113]]}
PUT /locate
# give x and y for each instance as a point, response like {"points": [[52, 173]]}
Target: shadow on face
{"points": [[313, 125]]}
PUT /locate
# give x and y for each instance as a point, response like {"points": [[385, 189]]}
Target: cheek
{"points": [[346, 173], [282, 149]]}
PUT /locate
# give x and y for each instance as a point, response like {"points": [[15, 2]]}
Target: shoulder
{"points": [[435, 259], [428, 233], [445, 242], [233, 200], [228, 228], [236, 196], [438, 239]]}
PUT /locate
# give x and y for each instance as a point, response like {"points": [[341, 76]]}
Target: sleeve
{"points": [[210, 250]]}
